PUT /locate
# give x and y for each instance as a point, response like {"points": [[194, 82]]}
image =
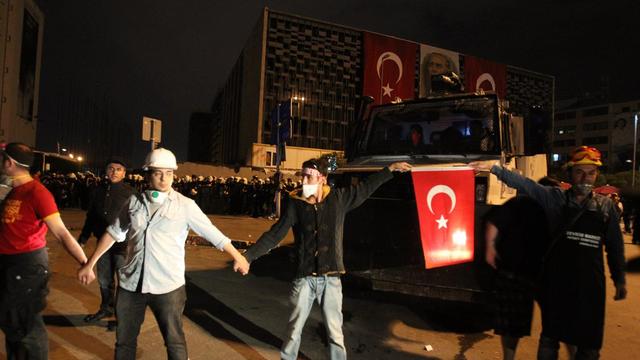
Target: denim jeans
{"points": [[327, 291], [108, 265], [23, 289], [167, 309], [548, 350]]}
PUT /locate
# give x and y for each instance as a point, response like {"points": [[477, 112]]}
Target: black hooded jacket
{"points": [[318, 228]]}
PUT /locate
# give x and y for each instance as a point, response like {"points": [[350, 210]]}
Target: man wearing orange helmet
{"points": [[572, 295]]}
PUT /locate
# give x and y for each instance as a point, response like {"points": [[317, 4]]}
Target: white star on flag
{"points": [[387, 90], [442, 222]]}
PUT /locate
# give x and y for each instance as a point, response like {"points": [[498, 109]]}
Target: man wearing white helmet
{"points": [[155, 225]]}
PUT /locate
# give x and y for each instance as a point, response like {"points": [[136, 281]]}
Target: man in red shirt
{"points": [[27, 212]]}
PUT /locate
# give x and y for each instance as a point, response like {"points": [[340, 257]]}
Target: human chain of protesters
{"points": [[140, 254]]}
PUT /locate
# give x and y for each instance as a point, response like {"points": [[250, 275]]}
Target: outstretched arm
{"points": [[355, 196], [200, 223], [59, 230], [544, 195], [272, 237]]}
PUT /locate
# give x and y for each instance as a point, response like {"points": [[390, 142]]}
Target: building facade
{"points": [[21, 34], [321, 67], [607, 126]]}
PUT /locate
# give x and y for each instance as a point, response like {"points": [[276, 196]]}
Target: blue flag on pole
{"points": [[281, 129], [281, 119]]}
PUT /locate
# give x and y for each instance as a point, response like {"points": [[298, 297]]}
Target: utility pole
{"points": [[635, 143]]}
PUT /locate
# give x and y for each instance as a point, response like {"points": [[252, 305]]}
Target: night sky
{"points": [[106, 63]]}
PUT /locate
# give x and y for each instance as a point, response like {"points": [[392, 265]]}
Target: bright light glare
{"points": [[449, 255], [71, 156], [460, 238]]}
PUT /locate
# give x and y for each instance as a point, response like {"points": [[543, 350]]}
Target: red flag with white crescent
{"points": [[445, 199], [389, 68], [481, 74]]}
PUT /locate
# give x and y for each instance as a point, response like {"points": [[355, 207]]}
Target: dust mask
{"points": [[308, 190], [582, 189], [156, 197]]}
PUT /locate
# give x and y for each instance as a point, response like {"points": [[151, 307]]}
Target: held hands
{"points": [[621, 292], [400, 166], [241, 265], [86, 275]]}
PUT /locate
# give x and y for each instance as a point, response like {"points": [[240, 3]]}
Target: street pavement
{"points": [[229, 316]]}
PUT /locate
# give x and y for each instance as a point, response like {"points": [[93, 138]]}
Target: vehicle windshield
{"points": [[445, 127]]}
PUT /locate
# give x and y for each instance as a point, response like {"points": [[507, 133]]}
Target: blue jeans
{"points": [[167, 309], [327, 291]]}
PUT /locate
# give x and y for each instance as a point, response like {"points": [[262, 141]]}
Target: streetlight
{"points": [[298, 100], [79, 158], [71, 156]]}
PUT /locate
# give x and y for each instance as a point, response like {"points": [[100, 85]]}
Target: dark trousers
{"points": [[108, 265], [548, 350], [23, 290], [167, 309], [34, 345]]}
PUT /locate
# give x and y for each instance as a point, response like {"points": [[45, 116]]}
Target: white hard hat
{"points": [[160, 158]]}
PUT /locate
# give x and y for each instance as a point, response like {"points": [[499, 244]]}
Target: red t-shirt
{"points": [[22, 226]]}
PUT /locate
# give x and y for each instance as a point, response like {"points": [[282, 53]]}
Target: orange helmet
{"points": [[585, 155]]}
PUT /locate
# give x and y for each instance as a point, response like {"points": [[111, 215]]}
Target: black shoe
{"points": [[101, 314]]}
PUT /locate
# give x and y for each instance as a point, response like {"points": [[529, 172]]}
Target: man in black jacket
{"points": [[316, 212], [105, 205]]}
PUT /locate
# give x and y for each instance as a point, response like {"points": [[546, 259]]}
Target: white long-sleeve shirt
{"points": [[156, 242]]}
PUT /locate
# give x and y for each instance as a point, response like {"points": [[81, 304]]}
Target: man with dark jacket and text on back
{"points": [[316, 213], [582, 224]]}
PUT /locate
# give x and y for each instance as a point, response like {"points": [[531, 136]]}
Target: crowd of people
{"points": [[232, 195]]}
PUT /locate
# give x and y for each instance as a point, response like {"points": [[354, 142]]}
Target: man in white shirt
{"points": [[156, 224]]}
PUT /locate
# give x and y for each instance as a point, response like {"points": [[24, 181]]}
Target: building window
{"points": [[602, 125], [268, 158], [566, 115], [603, 110], [595, 140], [567, 142], [565, 130]]}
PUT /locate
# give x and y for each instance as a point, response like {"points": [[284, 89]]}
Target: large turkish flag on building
{"points": [[445, 198], [486, 75], [389, 68]]}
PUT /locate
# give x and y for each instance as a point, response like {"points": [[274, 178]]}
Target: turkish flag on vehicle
{"points": [[389, 68], [445, 198], [486, 75]]}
